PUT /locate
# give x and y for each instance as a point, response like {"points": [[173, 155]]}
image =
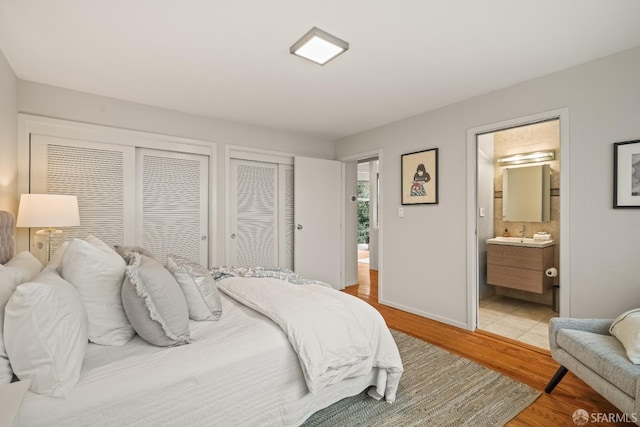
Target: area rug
{"points": [[437, 389]]}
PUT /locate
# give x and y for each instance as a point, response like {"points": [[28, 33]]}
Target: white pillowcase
{"points": [[24, 267], [55, 262], [626, 328], [97, 272], [6, 290], [199, 288], [21, 268], [46, 334]]}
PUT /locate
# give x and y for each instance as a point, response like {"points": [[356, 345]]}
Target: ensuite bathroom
{"points": [[519, 231]]}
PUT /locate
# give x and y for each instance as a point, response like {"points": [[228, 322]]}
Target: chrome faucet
{"points": [[524, 228]]}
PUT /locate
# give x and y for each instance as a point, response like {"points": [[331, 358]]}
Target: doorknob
{"points": [[299, 227], [233, 235]]}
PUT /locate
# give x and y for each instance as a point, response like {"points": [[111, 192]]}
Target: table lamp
{"points": [[48, 211]]}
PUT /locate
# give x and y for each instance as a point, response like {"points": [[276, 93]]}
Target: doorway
{"points": [[362, 219], [503, 309], [367, 221]]}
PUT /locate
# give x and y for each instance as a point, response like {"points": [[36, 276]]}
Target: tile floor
{"points": [[516, 319]]}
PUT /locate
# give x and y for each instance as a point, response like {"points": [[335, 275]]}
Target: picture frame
{"points": [[419, 177], [626, 174]]}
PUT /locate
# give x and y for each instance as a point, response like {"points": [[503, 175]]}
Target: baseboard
{"points": [[430, 316]]}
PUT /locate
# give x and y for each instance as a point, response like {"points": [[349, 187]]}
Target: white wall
{"points": [[8, 137], [49, 101], [425, 253]]}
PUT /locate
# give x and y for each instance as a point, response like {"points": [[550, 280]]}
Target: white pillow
{"points": [[24, 267], [55, 262], [6, 290], [46, 334], [19, 269], [626, 328], [199, 288], [97, 272]]}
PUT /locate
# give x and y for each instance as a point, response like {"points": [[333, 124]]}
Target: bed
{"points": [[254, 365]]}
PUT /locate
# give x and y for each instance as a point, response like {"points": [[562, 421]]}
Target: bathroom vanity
{"points": [[520, 263]]}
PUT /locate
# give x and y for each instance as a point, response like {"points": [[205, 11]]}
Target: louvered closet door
{"points": [[172, 203], [253, 214], [99, 174], [286, 221]]}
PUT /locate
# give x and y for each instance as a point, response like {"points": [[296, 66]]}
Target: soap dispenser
{"points": [[506, 233]]}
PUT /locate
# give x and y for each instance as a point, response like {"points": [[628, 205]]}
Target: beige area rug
{"points": [[437, 389]]}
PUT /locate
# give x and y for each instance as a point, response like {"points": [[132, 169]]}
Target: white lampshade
{"points": [[48, 210]]}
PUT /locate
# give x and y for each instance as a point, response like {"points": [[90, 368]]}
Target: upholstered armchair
{"points": [[585, 347]]}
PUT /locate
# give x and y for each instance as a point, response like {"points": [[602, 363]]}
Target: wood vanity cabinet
{"points": [[519, 267]]}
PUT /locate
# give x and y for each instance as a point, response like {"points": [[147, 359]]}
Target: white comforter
{"points": [[335, 335]]}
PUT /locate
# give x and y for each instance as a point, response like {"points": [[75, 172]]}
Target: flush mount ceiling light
{"points": [[517, 159], [319, 46]]}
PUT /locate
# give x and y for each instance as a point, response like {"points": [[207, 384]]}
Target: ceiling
{"points": [[229, 59]]}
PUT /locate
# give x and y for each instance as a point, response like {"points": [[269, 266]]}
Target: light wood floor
{"points": [[527, 364]]}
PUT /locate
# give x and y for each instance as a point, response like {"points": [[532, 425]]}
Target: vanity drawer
{"points": [[518, 278], [519, 267], [516, 256]]}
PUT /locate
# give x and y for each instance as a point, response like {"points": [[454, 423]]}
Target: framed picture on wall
{"points": [[626, 174], [419, 175]]}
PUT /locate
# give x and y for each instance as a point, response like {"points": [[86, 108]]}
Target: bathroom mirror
{"points": [[526, 194]]}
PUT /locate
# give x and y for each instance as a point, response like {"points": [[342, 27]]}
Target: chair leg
{"points": [[557, 377]]}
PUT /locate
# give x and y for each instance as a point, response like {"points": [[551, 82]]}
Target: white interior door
{"points": [[318, 212], [172, 203]]}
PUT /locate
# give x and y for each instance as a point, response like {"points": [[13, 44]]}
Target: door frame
{"points": [[472, 207], [343, 244]]}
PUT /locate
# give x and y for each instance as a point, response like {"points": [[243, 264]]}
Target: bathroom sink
{"points": [[520, 241]]}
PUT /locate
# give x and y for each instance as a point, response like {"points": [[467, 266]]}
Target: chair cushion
{"points": [[604, 355]]}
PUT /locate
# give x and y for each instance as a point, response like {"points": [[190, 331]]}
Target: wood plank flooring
{"points": [[524, 363]]}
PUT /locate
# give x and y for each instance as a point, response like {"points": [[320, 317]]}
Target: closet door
{"points": [[99, 174], [172, 203], [286, 220], [253, 214]]}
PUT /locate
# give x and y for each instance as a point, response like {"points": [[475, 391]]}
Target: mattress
{"points": [[240, 370]]}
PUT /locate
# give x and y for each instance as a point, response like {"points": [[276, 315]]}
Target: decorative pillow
{"points": [[46, 334], [626, 328], [199, 288], [6, 290], [24, 267], [97, 272], [154, 302]]}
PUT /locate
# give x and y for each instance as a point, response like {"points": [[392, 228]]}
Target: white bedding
{"points": [[335, 335], [240, 370]]}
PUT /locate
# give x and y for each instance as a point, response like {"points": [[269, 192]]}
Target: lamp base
{"points": [[47, 233]]}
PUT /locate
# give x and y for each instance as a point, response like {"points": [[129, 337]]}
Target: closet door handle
{"points": [[299, 227], [233, 235]]}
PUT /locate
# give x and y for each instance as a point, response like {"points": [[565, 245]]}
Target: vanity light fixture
{"points": [[518, 159], [319, 46]]}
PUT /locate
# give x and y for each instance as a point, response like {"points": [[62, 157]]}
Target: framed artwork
{"points": [[419, 175], [626, 174]]}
